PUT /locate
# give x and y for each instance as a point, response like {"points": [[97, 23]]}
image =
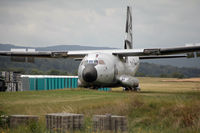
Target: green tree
{"points": [[36, 72], [177, 75], [64, 73], [53, 72], [140, 74], [163, 75]]}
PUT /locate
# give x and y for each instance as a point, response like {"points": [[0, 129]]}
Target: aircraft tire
{"points": [[125, 89], [136, 89]]}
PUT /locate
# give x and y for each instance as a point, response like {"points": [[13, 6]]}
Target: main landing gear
{"points": [[136, 89]]}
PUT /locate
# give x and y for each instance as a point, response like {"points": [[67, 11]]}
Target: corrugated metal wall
{"points": [[12, 81], [40, 82]]}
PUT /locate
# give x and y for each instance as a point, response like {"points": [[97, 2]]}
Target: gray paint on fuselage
{"points": [[110, 72]]}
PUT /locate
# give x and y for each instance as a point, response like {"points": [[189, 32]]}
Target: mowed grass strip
{"points": [[42, 102], [161, 106], [168, 85]]}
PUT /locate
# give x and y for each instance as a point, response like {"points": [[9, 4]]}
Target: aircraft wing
{"points": [[155, 53], [142, 53], [158, 51]]}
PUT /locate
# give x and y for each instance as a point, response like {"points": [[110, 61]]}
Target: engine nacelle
{"points": [[128, 81]]}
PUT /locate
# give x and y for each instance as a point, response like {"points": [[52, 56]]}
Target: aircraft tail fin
{"points": [[128, 44]]}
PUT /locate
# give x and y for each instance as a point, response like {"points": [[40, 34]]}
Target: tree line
{"points": [[70, 67]]}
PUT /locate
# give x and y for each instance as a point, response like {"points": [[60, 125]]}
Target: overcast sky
{"points": [[156, 23]]}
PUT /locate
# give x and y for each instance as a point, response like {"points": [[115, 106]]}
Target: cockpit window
{"points": [[90, 61], [93, 62]]}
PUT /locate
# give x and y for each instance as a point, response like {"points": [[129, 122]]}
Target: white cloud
{"points": [[49, 22]]}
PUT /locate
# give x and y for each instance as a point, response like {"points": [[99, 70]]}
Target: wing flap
{"points": [[162, 57], [26, 54], [179, 50], [40, 54]]}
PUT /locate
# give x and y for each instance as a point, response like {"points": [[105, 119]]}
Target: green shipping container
{"points": [[56, 83], [43, 82], [73, 82], [69, 82], [40, 83], [104, 89], [66, 83], [76, 82], [52, 83], [59, 83], [62, 83], [32, 84]]}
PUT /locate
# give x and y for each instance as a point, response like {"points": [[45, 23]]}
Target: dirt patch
{"points": [[182, 80]]}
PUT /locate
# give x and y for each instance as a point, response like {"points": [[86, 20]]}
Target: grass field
{"points": [[163, 105]]}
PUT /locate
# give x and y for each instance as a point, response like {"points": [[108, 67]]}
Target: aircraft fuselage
{"points": [[107, 70]]}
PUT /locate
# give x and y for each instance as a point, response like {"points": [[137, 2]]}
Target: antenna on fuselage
{"points": [[128, 43]]}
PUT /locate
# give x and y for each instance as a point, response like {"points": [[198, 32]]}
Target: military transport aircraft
{"points": [[111, 68]]}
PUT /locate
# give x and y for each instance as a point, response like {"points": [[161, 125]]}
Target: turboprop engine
{"points": [[129, 81]]}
